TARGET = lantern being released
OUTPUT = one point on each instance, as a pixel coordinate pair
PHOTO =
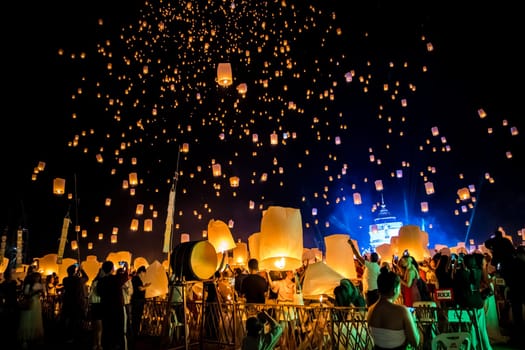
(224, 74)
(219, 236)
(281, 239)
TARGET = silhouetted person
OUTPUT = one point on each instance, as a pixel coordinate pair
(74, 301)
(109, 289)
(502, 252)
(254, 287)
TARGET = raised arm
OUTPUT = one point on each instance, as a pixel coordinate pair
(356, 252)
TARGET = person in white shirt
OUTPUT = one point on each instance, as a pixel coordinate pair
(370, 274)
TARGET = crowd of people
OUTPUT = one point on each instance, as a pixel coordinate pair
(113, 304)
(388, 288)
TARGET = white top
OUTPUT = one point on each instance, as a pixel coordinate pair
(370, 274)
(388, 338)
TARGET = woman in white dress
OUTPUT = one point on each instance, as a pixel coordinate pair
(31, 326)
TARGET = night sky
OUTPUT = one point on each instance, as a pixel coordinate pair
(100, 89)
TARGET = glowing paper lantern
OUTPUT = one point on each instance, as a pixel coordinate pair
(185, 148)
(156, 275)
(134, 225)
(416, 241)
(148, 225)
(424, 207)
(234, 181)
(429, 188)
(240, 254)
(357, 198)
(224, 74)
(140, 209)
(219, 236)
(114, 239)
(254, 245)
(339, 255)
(140, 261)
(242, 88)
(274, 139)
(59, 186)
(379, 185)
(74, 245)
(133, 179)
(184, 237)
(216, 169)
(119, 256)
(48, 264)
(281, 239)
(464, 193)
(91, 265)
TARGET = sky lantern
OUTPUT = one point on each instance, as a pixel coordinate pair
(274, 138)
(242, 88)
(254, 245)
(224, 74)
(185, 148)
(481, 113)
(220, 236)
(357, 198)
(114, 239)
(184, 237)
(148, 225)
(59, 186)
(216, 170)
(281, 239)
(464, 193)
(379, 185)
(339, 255)
(424, 207)
(134, 225)
(429, 188)
(234, 181)
(133, 179)
(156, 275)
(240, 254)
(139, 210)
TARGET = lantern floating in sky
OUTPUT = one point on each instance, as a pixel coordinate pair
(242, 88)
(357, 198)
(148, 225)
(234, 181)
(59, 186)
(140, 209)
(216, 169)
(481, 113)
(240, 254)
(133, 179)
(424, 207)
(464, 193)
(134, 225)
(379, 185)
(184, 237)
(274, 138)
(224, 74)
(429, 188)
